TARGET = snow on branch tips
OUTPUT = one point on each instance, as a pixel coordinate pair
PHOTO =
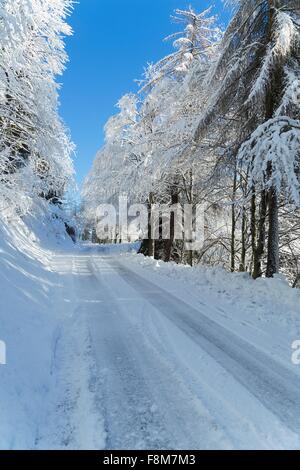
(198, 41)
(273, 154)
(278, 52)
(33, 135)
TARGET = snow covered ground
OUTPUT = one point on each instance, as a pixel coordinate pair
(107, 349)
(35, 319)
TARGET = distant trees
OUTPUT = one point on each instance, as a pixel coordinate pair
(34, 146)
(143, 144)
(217, 122)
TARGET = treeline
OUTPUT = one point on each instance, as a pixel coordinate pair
(217, 123)
(35, 148)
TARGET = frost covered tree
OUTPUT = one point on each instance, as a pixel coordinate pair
(34, 145)
(254, 90)
(219, 123)
(146, 151)
(111, 173)
(198, 40)
(173, 79)
(272, 151)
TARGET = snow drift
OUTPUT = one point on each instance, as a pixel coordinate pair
(28, 324)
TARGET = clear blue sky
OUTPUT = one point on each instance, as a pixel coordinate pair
(113, 40)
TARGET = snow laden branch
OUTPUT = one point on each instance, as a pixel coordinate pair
(199, 40)
(286, 36)
(35, 147)
(273, 153)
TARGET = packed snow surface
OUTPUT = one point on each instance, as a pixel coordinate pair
(109, 350)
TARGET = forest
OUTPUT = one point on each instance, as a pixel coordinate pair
(215, 123)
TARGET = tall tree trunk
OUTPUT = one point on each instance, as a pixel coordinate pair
(190, 258)
(190, 199)
(273, 238)
(244, 238)
(233, 220)
(148, 244)
(253, 230)
(258, 234)
(273, 234)
(170, 243)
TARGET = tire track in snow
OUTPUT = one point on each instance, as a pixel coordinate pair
(275, 386)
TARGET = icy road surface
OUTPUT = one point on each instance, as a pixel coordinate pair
(169, 373)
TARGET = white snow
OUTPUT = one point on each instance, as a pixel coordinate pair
(108, 349)
(265, 302)
(47, 370)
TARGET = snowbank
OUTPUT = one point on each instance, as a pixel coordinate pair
(29, 324)
(266, 301)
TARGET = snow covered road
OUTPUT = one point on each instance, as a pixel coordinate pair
(167, 374)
